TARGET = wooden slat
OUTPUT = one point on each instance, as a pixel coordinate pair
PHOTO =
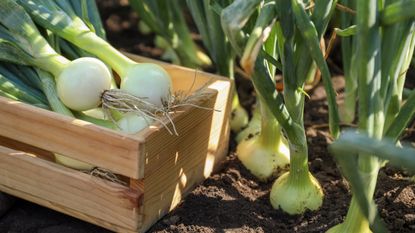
(72, 192)
(71, 137)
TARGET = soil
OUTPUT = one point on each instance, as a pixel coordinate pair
(232, 200)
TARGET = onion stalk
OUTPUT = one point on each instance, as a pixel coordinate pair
(384, 42)
(137, 79)
(166, 19)
(81, 82)
(220, 50)
(14, 88)
(348, 109)
(265, 154)
(297, 190)
(253, 128)
(298, 32)
(88, 12)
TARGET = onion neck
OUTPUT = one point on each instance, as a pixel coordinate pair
(49, 88)
(53, 64)
(94, 44)
(299, 162)
(235, 99)
(349, 105)
(229, 72)
(270, 136)
(355, 220)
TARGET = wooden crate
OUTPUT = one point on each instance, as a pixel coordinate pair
(160, 169)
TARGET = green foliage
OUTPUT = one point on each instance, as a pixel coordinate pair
(166, 19)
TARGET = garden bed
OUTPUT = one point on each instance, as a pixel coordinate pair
(232, 200)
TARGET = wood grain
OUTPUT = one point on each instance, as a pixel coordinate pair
(35, 151)
(74, 138)
(69, 191)
(174, 165)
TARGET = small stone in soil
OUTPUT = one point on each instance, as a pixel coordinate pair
(409, 217)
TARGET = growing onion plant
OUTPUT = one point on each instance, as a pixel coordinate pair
(208, 23)
(347, 23)
(383, 48)
(350, 144)
(262, 147)
(296, 30)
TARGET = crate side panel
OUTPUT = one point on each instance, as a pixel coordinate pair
(220, 127)
(69, 191)
(174, 168)
(71, 137)
(67, 211)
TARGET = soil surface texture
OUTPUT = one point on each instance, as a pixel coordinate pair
(232, 200)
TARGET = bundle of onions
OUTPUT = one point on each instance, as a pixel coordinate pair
(81, 84)
(147, 81)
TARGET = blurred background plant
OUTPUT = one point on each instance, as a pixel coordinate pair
(166, 19)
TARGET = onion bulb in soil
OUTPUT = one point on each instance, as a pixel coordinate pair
(296, 194)
(266, 154)
(264, 161)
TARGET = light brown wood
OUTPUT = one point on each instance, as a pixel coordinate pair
(68, 211)
(160, 168)
(35, 151)
(69, 191)
(74, 138)
(173, 169)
